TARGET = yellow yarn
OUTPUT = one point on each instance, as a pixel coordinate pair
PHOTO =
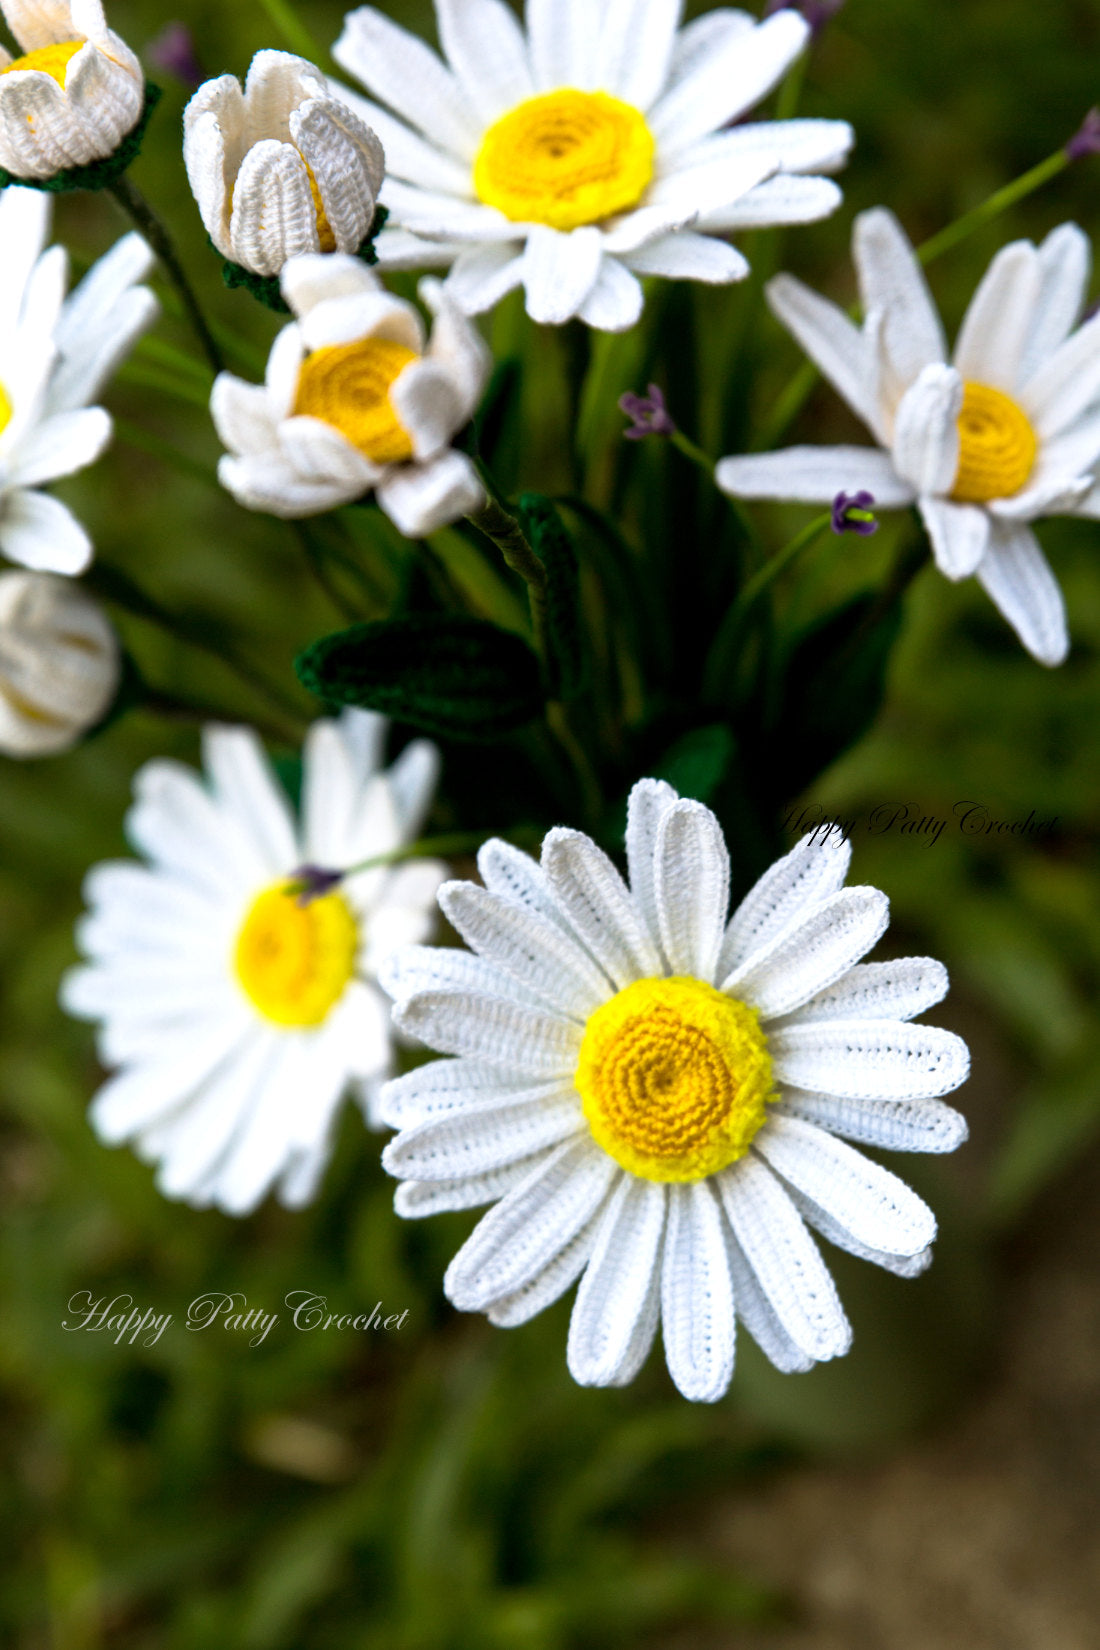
(674, 1078)
(348, 386)
(51, 60)
(997, 446)
(565, 159)
(294, 961)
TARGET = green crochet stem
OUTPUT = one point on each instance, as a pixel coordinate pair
(266, 288)
(99, 174)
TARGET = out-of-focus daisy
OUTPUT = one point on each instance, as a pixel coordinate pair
(660, 1099)
(1008, 432)
(59, 664)
(593, 147)
(74, 94)
(282, 167)
(56, 354)
(356, 400)
(237, 1011)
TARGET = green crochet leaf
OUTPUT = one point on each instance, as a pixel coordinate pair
(547, 535)
(447, 675)
(99, 174)
(696, 764)
(266, 288)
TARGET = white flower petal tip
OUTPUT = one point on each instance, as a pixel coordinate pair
(281, 168)
(59, 664)
(583, 1025)
(655, 174)
(356, 400)
(74, 95)
(230, 1070)
(1006, 433)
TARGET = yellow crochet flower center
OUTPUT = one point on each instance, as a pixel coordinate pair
(997, 446)
(5, 409)
(674, 1078)
(294, 961)
(52, 60)
(348, 386)
(324, 228)
(566, 158)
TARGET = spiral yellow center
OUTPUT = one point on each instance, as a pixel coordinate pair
(324, 228)
(51, 60)
(674, 1078)
(5, 409)
(294, 961)
(348, 386)
(997, 446)
(566, 158)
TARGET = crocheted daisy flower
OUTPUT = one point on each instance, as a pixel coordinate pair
(281, 167)
(56, 355)
(74, 94)
(356, 399)
(59, 664)
(1008, 432)
(659, 1099)
(237, 1013)
(594, 147)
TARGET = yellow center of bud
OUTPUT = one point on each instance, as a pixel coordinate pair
(348, 386)
(51, 60)
(324, 228)
(997, 446)
(5, 409)
(565, 159)
(674, 1078)
(294, 961)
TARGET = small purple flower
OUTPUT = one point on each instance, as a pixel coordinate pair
(1086, 140)
(649, 413)
(173, 52)
(816, 12)
(852, 514)
(315, 882)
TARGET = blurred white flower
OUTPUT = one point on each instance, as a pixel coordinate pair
(1006, 433)
(237, 1012)
(356, 400)
(74, 94)
(282, 167)
(652, 1095)
(59, 664)
(594, 146)
(56, 355)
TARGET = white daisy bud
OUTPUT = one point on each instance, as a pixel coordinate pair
(59, 664)
(356, 400)
(74, 94)
(280, 167)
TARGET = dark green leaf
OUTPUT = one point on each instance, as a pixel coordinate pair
(552, 544)
(445, 674)
(696, 764)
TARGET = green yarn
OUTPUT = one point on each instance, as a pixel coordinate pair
(266, 289)
(99, 174)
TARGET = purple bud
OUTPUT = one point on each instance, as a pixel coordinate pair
(816, 12)
(852, 514)
(173, 52)
(1086, 140)
(315, 882)
(649, 413)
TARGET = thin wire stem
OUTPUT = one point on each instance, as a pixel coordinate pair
(133, 202)
(731, 630)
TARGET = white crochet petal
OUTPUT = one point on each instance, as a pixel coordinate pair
(867, 1200)
(812, 954)
(559, 271)
(617, 1298)
(445, 1087)
(902, 1266)
(926, 430)
(486, 48)
(399, 70)
(789, 1271)
(832, 342)
(474, 1143)
(788, 891)
(429, 405)
(421, 498)
(347, 163)
(456, 344)
(814, 475)
(896, 1125)
(870, 1060)
(273, 216)
(756, 1313)
(697, 1303)
(550, 1284)
(507, 871)
(692, 887)
(878, 991)
(649, 801)
(418, 968)
(892, 281)
(959, 534)
(1016, 576)
(534, 951)
(531, 1225)
(1065, 259)
(615, 302)
(487, 1028)
(244, 783)
(597, 902)
(1065, 384)
(999, 318)
(417, 1199)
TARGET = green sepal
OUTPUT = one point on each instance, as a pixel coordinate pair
(98, 174)
(445, 674)
(834, 685)
(552, 544)
(266, 289)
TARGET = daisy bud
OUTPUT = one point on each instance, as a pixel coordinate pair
(1086, 139)
(648, 413)
(59, 664)
(281, 167)
(73, 96)
(852, 514)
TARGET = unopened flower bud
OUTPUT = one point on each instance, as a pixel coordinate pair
(59, 664)
(648, 414)
(852, 513)
(73, 96)
(281, 167)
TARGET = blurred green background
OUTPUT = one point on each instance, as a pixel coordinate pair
(445, 1486)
